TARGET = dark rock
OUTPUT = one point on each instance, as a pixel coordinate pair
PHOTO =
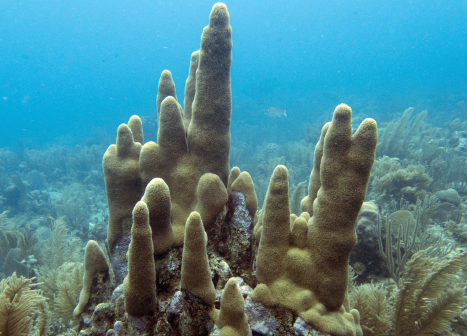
(365, 257)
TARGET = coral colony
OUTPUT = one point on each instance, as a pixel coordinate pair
(187, 253)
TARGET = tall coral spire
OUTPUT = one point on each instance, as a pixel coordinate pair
(140, 283)
(309, 275)
(232, 319)
(196, 274)
(157, 198)
(122, 181)
(193, 149)
(208, 134)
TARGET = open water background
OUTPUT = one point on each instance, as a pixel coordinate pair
(72, 69)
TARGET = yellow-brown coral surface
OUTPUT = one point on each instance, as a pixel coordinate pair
(301, 262)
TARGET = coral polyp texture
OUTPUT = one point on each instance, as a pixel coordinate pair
(305, 267)
(188, 253)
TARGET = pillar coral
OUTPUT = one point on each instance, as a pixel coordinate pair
(232, 320)
(157, 198)
(192, 150)
(196, 274)
(94, 262)
(301, 265)
(140, 283)
(190, 88)
(244, 184)
(122, 181)
(183, 155)
(305, 267)
(165, 89)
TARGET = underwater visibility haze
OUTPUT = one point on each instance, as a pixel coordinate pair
(295, 168)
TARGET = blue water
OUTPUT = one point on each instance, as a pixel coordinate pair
(70, 69)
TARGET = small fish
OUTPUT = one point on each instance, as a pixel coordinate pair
(276, 112)
(50, 221)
